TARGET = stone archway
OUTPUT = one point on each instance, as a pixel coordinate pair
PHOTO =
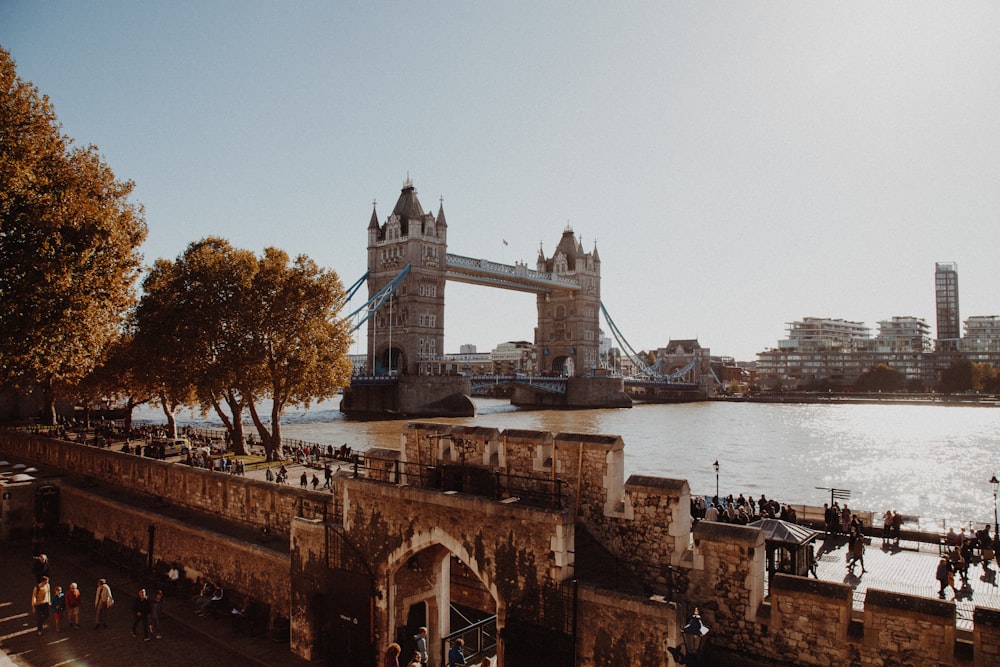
(435, 580)
(391, 361)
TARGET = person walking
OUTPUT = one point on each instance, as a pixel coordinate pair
(40, 567)
(943, 573)
(858, 554)
(155, 607)
(456, 658)
(40, 602)
(73, 606)
(103, 601)
(421, 640)
(392, 652)
(140, 614)
(58, 606)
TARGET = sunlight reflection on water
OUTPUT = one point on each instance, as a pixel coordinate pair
(929, 461)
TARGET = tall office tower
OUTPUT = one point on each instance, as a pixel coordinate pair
(949, 327)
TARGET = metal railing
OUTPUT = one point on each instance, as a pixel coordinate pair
(479, 639)
(543, 492)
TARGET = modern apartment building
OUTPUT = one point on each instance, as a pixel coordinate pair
(949, 329)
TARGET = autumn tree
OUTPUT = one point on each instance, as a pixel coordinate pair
(300, 342)
(69, 247)
(227, 330)
(192, 331)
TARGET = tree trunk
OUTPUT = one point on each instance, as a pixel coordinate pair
(168, 411)
(271, 446)
(234, 424)
(49, 410)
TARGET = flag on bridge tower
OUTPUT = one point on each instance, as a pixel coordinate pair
(505, 241)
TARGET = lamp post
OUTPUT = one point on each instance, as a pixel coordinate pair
(694, 639)
(716, 466)
(995, 483)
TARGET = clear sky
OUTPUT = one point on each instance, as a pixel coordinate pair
(739, 165)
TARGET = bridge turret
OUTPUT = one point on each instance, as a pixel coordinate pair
(408, 329)
(567, 338)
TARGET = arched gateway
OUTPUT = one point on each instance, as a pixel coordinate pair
(433, 535)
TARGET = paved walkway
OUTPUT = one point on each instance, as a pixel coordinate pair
(186, 638)
(908, 569)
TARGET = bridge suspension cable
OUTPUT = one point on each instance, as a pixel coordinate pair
(644, 368)
(619, 337)
(372, 305)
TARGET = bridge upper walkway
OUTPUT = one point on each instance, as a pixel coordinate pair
(516, 277)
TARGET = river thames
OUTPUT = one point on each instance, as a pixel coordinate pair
(930, 461)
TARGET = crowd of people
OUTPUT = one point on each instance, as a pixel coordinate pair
(63, 606)
(739, 510)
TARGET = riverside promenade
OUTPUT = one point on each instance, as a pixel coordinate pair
(909, 568)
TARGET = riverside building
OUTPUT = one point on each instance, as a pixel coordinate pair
(834, 352)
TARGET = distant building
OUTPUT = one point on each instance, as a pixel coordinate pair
(981, 343)
(514, 357)
(946, 299)
(467, 363)
(903, 334)
(678, 355)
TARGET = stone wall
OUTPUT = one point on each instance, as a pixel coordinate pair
(623, 630)
(726, 572)
(235, 564)
(514, 549)
(909, 629)
(986, 636)
(798, 607)
(253, 502)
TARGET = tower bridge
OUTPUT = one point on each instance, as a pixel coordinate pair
(409, 265)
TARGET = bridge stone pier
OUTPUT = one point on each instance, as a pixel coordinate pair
(408, 260)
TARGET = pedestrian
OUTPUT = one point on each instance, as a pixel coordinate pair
(58, 606)
(858, 554)
(73, 606)
(304, 480)
(943, 575)
(315, 481)
(392, 652)
(327, 474)
(103, 601)
(456, 658)
(268, 475)
(421, 639)
(897, 525)
(140, 614)
(155, 607)
(40, 602)
(886, 527)
(40, 568)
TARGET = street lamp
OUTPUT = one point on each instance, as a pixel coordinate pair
(995, 483)
(716, 466)
(693, 634)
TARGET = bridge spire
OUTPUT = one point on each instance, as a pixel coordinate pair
(440, 217)
(373, 223)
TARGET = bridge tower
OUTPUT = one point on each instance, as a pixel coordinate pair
(566, 338)
(409, 328)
